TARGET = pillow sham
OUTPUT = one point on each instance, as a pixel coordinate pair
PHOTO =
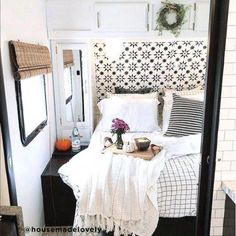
(195, 94)
(139, 114)
(196, 91)
(133, 95)
(124, 90)
(186, 117)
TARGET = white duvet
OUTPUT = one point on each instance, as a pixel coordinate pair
(118, 192)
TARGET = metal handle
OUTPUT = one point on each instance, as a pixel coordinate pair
(85, 86)
(195, 15)
(98, 20)
(208, 158)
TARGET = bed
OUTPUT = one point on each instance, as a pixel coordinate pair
(177, 183)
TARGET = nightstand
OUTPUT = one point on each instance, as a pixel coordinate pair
(58, 198)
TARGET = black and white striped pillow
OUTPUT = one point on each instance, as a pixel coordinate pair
(186, 117)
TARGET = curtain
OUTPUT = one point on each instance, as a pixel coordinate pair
(68, 58)
(29, 60)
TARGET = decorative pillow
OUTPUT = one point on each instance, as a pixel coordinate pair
(124, 90)
(196, 91)
(194, 94)
(133, 95)
(139, 114)
(186, 117)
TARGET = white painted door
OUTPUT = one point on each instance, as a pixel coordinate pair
(72, 93)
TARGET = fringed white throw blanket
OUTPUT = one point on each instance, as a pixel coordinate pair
(118, 192)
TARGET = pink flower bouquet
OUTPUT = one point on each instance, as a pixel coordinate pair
(119, 126)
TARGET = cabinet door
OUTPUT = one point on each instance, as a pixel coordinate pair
(72, 16)
(121, 17)
(201, 14)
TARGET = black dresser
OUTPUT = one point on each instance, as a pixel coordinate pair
(58, 198)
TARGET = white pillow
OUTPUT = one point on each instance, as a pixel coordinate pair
(133, 95)
(194, 94)
(139, 114)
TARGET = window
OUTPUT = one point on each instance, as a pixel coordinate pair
(32, 107)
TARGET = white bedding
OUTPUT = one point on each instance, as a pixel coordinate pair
(140, 200)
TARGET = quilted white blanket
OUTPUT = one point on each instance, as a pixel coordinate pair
(118, 192)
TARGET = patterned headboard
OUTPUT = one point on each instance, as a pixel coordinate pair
(176, 65)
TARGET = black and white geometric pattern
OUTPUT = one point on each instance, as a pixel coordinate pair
(176, 65)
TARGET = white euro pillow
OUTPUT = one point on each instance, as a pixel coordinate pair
(133, 95)
(139, 114)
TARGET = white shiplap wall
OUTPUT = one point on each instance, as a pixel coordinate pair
(226, 153)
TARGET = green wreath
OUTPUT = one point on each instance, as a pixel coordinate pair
(162, 24)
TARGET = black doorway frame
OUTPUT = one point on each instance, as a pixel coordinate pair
(215, 66)
(216, 49)
(6, 141)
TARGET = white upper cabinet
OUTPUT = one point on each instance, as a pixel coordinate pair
(121, 16)
(69, 15)
(201, 16)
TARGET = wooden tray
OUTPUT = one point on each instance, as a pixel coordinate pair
(145, 155)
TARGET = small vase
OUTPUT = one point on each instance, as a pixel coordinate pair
(119, 141)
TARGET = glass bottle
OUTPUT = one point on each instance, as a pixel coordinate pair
(75, 139)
